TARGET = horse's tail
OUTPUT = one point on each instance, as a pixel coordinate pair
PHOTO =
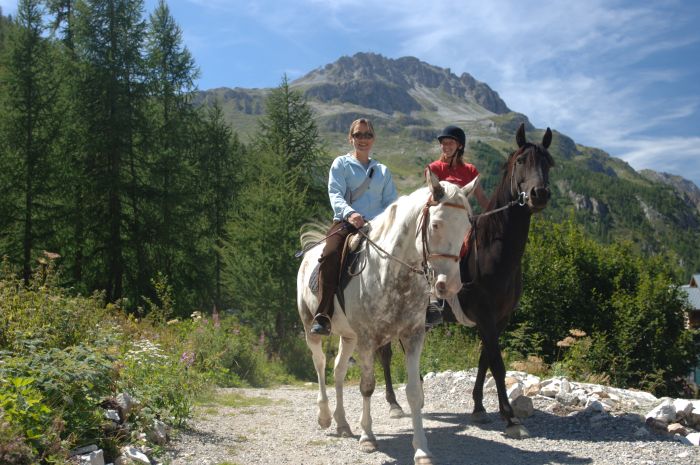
(312, 232)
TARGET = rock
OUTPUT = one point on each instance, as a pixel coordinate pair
(531, 390)
(84, 450)
(158, 434)
(550, 387)
(510, 381)
(93, 458)
(514, 392)
(126, 402)
(135, 455)
(565, 386)
(683, 408)
(112, 415)
(429, 375)
(664, 412)
(522, 407)
(594, 406)
(490, 384)
(641, 432)
(694, 439)
(567, 398)
(677, 428)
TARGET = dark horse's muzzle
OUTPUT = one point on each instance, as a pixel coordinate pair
(539, 196)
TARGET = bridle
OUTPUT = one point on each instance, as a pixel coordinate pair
(422, 229)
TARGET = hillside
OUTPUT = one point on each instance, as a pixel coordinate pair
(410, 101)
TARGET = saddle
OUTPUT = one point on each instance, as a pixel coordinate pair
(351, 264)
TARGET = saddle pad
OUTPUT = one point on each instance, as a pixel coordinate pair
(313, 279)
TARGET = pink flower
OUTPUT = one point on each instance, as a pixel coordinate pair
(187, 359)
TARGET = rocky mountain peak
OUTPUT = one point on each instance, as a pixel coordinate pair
(365, 78)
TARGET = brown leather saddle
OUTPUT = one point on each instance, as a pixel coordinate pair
(351, 264)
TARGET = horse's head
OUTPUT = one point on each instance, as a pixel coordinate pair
(528, 169)
(445, 223)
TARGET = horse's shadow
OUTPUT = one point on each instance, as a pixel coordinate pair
(589, 427)
(445, 440)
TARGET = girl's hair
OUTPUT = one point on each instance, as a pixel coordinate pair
(356, 123)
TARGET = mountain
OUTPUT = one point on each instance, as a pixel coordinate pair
(410, 101)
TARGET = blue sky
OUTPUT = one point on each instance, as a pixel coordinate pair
(623, 76)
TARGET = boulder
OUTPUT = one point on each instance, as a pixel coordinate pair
(664, 412)
(522, 407)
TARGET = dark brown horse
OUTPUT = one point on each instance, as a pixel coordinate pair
(491, 270)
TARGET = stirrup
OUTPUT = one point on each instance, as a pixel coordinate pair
(321, 326)
(433, 315)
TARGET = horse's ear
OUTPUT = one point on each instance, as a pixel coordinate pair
(520, 135)
(434, 183)
(471, 187)
(547, 138)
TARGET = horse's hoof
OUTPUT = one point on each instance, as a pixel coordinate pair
(368, 447)
(344, 431)
(480, 417)
(368, 444)
(423, 461)
(324, 423)
(396, 412)
(517, 432)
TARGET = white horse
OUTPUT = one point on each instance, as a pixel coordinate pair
(413, 251)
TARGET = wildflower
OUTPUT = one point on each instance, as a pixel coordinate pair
(568, 341)
(187, 359)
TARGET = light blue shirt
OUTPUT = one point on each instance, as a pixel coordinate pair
(346, 175)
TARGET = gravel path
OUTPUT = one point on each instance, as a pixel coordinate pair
(284, 431)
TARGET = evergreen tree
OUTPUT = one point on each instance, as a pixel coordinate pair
(28, 94)
(281, 190)
(221, 154)
(289, 130)
(173, 208)
(109, 37)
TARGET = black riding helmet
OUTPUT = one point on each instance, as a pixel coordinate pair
(453, 132)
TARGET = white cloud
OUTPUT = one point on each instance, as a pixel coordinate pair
(670, 155)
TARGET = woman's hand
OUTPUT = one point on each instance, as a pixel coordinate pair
(356, 220)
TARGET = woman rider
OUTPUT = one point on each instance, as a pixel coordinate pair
(359, 188)
(451, 167)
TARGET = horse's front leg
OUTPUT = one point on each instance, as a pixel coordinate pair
(385, 353)
(319, 358)
(479, 412)
(414, 393)
(368, 443)
(347, 346)
(493, 351)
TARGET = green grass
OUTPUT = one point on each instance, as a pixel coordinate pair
(233, 400)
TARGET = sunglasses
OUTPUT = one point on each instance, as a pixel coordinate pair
(363, 135)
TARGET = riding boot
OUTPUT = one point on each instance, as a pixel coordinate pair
(322, 319)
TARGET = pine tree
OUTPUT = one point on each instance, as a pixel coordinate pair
(173, 206)
(281, 190)
(109, 36)
(288, 130)
(219, 161)
(28, 94)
